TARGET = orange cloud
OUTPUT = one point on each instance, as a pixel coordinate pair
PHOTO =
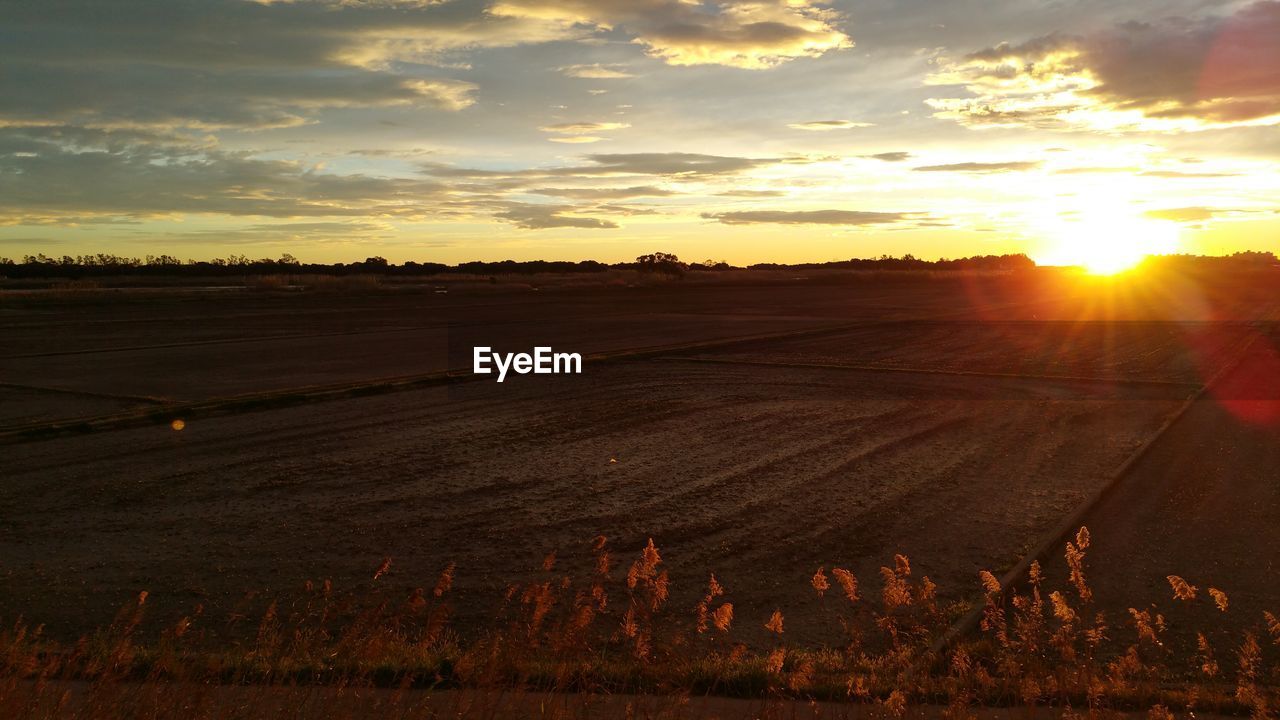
(810, 217)
(1172, 75)
(741, 33)
(826, 125)
(981, 167)
(1185, 214)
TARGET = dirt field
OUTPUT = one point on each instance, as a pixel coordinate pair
(1204, 504)
(955, 422)
(1124, 351)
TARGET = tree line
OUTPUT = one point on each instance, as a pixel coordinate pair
(107, 265)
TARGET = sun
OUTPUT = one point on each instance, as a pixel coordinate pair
(1106, 239)
(1106, 252)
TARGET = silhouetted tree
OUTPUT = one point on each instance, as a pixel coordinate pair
(661, 262)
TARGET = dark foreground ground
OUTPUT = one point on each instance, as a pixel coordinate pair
(321, 703)
(955, 421)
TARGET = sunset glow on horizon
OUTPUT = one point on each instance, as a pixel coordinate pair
(1081, 133)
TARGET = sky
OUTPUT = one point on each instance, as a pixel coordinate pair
(739, 130)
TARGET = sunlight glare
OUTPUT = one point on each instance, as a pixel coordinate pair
(1106, 239)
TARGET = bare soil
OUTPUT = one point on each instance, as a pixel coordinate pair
(760, 471)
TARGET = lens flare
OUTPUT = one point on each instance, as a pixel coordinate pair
(1106, 239)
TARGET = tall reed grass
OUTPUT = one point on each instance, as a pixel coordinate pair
(609, 643)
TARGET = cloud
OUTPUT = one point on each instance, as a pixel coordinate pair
(287, 233)
(1129, 169)
(1173, 74)
(897, 156)
(233, 64)
(593, 193)
(574, 128)
(810, 217)
(826, 125)
(750, 34)
(752, 193)
(394, 153)
(541, 217)
(596, 72)
(174, 98)
(68, 175)
(1199, 214)
(318, 228)
(627, 210)
(71, 175)
(676, 165)
(1178, 174)
(448, 94)
(981, 167)
(580, 132)
(1095, 170)
(1183, 215)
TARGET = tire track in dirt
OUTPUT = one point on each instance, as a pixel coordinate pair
(443, 325)
(1114, 351)
(926, 481)
(1118, 381)
(491, 422)
(294, 396)
(725, 484)
(737, 511)
(268, 500)
(257, 401)
(144, 399)
(1105, 498)
(647, 471)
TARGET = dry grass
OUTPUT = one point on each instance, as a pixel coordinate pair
(614, 634)
(315, 283)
